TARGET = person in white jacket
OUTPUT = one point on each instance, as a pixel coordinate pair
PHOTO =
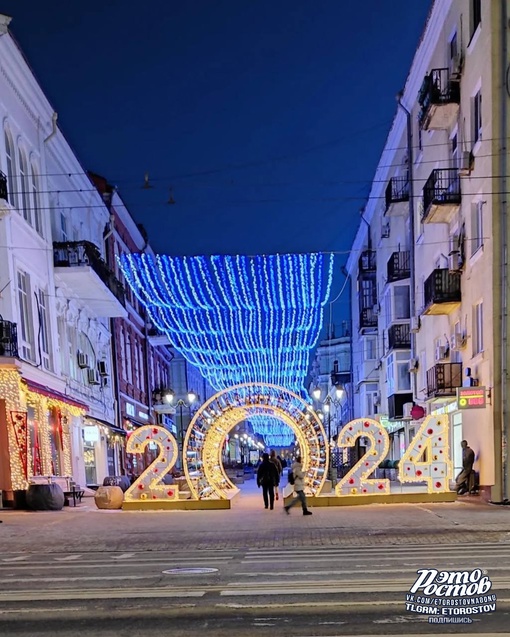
(299, 487)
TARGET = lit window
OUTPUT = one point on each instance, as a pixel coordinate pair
(476, 226)
(478, 328)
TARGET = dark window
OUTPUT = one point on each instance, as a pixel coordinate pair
(476, 15)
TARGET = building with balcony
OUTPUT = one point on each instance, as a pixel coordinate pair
(441, 186)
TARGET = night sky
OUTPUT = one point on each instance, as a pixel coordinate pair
(265, 117)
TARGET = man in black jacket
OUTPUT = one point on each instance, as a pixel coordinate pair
(268, 478)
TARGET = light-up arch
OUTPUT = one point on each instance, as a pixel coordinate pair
(211, 424)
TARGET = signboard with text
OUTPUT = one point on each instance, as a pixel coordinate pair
(471, 397)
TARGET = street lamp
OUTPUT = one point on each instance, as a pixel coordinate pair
(316, 393)
(191, 397)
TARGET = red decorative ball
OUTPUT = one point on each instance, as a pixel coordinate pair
(366, 464)
(351, 481)
(419, 446)
(147, 437)
(156, 469)
(168, 448)
(408, 468)
(438, 485)
(155, 430)
(418, 473)
(364, 490)
(435, 468)
(379, 442)
(350, 428)
(440, 451)
(154, 497)
(170, 493)
(141, 487)
(367, 424)
(380, 487)
(430, 431)
(439, 439)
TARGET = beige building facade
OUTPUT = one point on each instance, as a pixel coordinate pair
(428, 265)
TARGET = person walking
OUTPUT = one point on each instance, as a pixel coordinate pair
(268, 478)
(274, 459)
(299, 487)
(463, 479)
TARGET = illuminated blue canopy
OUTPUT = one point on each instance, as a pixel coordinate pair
(238, 319)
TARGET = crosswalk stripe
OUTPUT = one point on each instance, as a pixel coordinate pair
(68, 558)
(20, 558)
(124, 556)
(102, 593)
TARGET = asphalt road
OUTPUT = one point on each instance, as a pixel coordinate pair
(319, 591)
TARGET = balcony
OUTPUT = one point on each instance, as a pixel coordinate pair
(367, 317)
(441, 196)
(439, 98)
(367, 262)
(157, 338)
(341, 377)
(399, 266)
(8, 339)
(443, 380)
(397, 196)
(396, 404)
(399, 336)
(442, 292)
(80, 269)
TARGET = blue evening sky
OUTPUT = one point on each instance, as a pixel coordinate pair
(265, 117)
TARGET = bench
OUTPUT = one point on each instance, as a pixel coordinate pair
(76, 493)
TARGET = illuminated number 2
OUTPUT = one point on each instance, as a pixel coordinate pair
(357, 482)
(427, 459)
(149, 485)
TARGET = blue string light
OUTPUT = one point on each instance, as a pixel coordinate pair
(237, 319)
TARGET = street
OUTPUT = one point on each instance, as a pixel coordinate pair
(89, 572)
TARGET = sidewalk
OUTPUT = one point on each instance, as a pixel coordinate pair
(85, 528)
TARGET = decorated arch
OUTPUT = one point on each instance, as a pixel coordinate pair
(212, 423)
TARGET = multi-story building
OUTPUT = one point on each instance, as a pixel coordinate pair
(428, 265)
(57, 293)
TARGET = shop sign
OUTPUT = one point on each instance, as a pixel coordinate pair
(471, 397)
(143, 415)
(130, 409)
(91, 433)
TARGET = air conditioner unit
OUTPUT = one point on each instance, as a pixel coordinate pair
(83, 360)
(458, 341)
(465, 161)
(413, 365)
(441, 352)
(377, 398)
(385, 230)
(102, 368)
(456, 64)
(415, 324)
(93, 377)
(454, 262)
(407, 411)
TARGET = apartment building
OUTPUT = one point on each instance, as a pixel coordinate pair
(429, 276)
(57, 294)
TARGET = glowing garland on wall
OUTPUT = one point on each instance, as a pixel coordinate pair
(211, 424)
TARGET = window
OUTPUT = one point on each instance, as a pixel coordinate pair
(397, 302)
(11, 170)
(476, 15)
(44, 337)
(454, 151)
(62, 345)
(371, 390)
(25, 311)
(477, 117)
(370, 348)
(453, 45)
(129, 359)
(397, 372)
(25, 187)
(122, 340)
(36, 205)
(478, 328)
(476, 226)
(72, 345)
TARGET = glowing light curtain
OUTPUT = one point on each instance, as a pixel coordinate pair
(237, 318)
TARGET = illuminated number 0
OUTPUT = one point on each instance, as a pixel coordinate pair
(149, 485)
(357, 482)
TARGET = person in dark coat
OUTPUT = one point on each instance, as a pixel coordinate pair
(468, 459)
(268, 478)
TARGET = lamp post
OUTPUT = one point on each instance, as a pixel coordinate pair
(326, 405)
(187, 401)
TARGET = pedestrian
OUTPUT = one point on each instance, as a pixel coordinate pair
(274, 459)
(463, 479)
(268, 478)
(299, 487)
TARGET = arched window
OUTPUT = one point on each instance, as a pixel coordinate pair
(25, 187)
(11, 169)
(36, 204)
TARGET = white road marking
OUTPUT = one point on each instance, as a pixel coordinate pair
(120, 564)
(91, 578)
(124, 556)
(284, 558)
(41, 610)
(102, 593)
(68, 558)
(20, 558)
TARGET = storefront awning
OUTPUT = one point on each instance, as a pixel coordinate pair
(104, 423)
(53, 393)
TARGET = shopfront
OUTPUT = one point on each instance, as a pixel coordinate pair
(103, 450)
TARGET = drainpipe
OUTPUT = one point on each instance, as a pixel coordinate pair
(501, 441)
(54, 118)
(410, 164)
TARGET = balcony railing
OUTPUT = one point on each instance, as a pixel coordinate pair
(367, 317)
(84, 253)
(399, 336)
(8, 339)
(442, 292)
(441, 195)
(3, 186)
(367, 261)
(397, 191)
(399, 266)
(340, 377)
(439, 98)
(443, 379)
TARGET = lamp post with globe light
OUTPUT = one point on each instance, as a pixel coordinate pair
(326, 414)
(191, 397)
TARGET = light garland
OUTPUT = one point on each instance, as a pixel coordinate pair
(211, 424)
(11, 392)
(237, 319)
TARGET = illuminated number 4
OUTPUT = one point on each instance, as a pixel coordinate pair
(149, 486)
